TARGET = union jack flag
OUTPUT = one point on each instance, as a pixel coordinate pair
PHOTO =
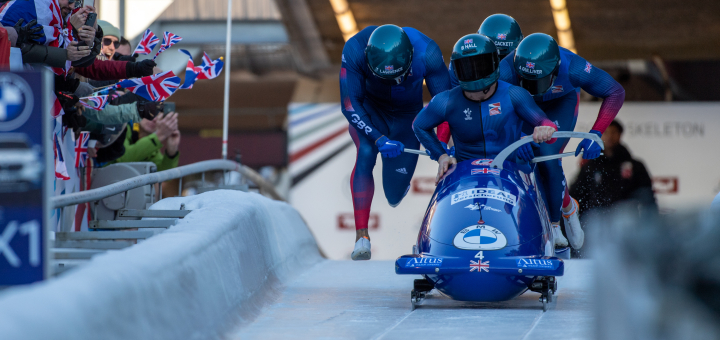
(60, 167)
(169, 39)
(588, 67)
(147, 43)
(95, 103)
(212, 68)
(191, 72)
(388, 67)
(57, 110)
(530, 65)
(484, 171)
(467, 41)
(479, 266)
(494, 109)
(157, 87)
(502, 36)
(81, 149)
(557, 89)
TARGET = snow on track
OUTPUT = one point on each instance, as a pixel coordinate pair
(367, 300)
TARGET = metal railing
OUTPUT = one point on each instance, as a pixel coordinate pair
(162, 176)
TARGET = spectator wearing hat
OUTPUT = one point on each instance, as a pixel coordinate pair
(110, 40)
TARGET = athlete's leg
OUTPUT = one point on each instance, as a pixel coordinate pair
(398, 171)
(563, 111)
(362, 184)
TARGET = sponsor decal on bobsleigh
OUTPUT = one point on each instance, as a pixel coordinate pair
(424, 262)
(482, 161)
(483, 193)
(480, 237)
(534, 263)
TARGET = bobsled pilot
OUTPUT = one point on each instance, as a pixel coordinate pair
(554, 76)
(506, 34)
(484, 115)
(381, 84)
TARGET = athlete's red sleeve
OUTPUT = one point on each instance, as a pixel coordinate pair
(443, 132)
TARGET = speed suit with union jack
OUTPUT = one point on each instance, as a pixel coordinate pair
(375, 109)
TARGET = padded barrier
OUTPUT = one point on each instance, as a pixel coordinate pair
(214, 269)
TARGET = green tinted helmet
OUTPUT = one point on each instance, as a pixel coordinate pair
(475, 62)
(537, 61)
(504, 32)
(389, 53)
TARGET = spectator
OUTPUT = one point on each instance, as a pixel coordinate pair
(124, 48)
(145, 141)
(613, 177)
(110, 41)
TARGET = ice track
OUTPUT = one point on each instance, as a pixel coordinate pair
(366, 300)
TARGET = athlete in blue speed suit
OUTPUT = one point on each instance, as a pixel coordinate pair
(381, 84)
(484, 115)
(557, 92)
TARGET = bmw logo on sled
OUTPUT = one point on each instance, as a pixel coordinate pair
(486, 235)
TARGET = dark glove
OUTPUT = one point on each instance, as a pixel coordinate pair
(592, 149)
(120, 57)
(69, 84)
(140, 69)
(525, 152)
(389, 148)
(28, 34)
(67, 100)
(149, 110)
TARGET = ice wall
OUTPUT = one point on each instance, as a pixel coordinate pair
(214, 268)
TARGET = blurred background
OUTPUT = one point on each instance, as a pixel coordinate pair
(285, 115)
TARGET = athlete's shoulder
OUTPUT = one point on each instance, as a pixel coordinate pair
(440, 100)
(417, 38)
(363, 36)
(517, 93)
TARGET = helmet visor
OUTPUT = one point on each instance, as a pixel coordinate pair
(537, 86)
(475, 67)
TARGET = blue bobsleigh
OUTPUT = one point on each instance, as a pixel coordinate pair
(486, 233)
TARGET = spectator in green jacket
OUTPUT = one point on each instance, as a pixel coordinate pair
(145, 143)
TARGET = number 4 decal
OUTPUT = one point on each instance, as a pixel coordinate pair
(479, 255)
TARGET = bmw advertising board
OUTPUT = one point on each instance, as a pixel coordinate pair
(26, 163)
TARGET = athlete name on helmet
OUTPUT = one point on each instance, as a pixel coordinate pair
(529, 68)
(468, 44)
(360, 124)
(483, 193)
(389, 69)
(504, 43)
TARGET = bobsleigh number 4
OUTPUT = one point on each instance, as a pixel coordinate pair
(486, 235)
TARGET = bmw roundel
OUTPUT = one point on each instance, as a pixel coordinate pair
(480, 237)
(16, 101)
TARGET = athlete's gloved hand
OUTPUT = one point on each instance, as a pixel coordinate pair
(592, 149)
(450, 151)
(389, 148)
(525, 152)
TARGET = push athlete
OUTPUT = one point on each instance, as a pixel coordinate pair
(381, 84)
(554, 76)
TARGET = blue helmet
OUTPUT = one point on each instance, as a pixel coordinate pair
(389, 53)
(537, 61)
(475, 62)
(504, 31)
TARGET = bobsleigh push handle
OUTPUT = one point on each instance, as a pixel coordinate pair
(497, 163)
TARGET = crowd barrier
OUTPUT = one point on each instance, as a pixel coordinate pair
(211, 270)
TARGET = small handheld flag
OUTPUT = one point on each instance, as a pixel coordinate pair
(156, 88)
(81, 149)
(95, 103)
(147, 43)
(169, 39)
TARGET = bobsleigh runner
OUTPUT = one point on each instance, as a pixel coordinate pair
(486, 235)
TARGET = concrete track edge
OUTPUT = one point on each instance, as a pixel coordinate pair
(214, 269)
